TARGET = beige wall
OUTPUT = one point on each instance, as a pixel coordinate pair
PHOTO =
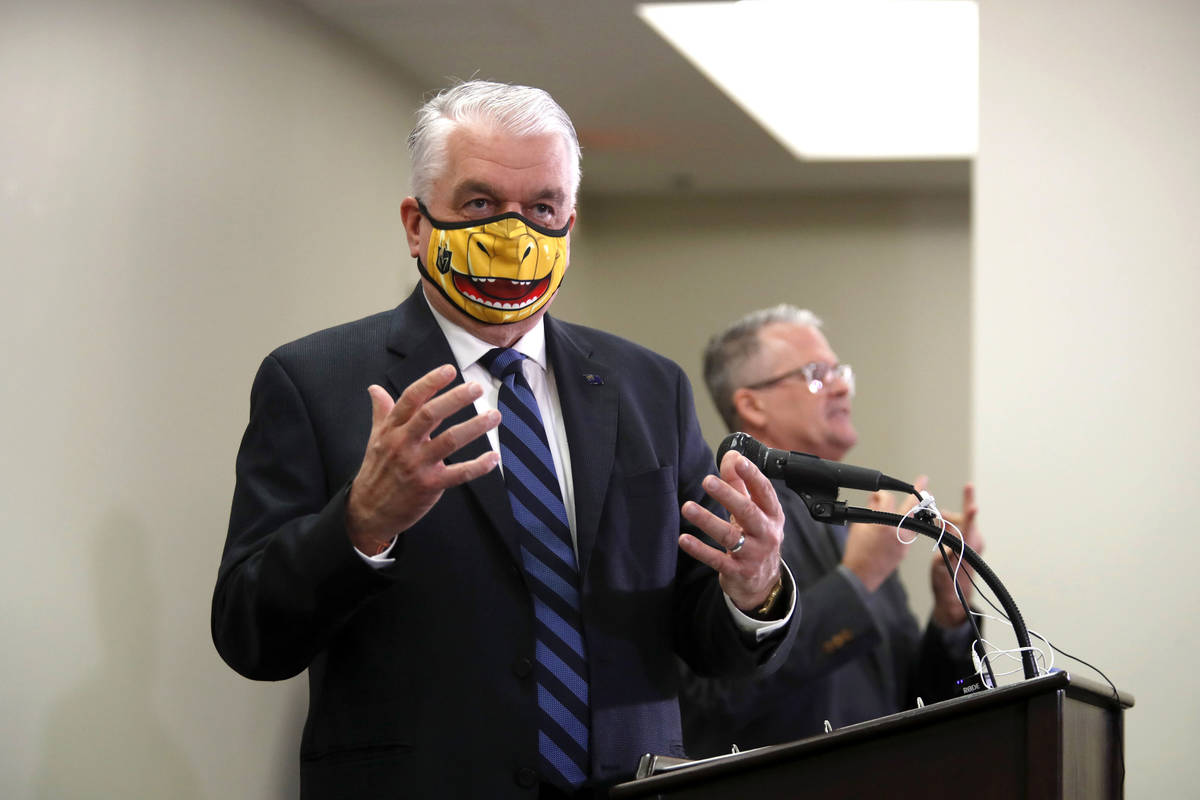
(1087, 275)
(888, 274)
(168, 170)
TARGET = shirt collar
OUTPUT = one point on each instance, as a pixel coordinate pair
(467, 348)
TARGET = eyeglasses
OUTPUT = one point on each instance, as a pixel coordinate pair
(816, 374)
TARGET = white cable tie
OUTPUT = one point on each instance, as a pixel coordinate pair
(900, 526)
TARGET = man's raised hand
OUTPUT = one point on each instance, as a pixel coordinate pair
(403, 472)
(749, 572)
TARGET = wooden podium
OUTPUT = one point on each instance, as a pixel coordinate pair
(1048, 738)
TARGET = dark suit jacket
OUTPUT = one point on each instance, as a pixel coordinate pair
(851, 660)
(420, 674)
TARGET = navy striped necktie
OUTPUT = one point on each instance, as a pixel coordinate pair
(548, 555)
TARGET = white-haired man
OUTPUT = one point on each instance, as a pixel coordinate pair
(859, 652)
(471, 631)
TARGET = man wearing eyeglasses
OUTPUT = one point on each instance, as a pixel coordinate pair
(859, 652)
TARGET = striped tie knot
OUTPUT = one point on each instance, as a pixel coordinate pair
(502, 362)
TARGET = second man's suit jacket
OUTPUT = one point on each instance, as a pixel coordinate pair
(420, 674)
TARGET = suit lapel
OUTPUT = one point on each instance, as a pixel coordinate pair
(824, 552)
(417, 346)
(587, 392)
(880, 655)
(813, 539)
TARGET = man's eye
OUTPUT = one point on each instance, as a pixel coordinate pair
(543, 210)
(478, 204)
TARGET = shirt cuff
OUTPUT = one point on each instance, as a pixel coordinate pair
(759, 628)
(382, 559)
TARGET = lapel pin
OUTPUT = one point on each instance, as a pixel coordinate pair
(593, 379)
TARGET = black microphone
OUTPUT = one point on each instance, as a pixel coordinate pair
(805, 471)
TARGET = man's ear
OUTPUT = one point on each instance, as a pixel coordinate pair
(410, 216)
(749, 408)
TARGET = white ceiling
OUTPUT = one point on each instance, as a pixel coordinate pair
(647, 120)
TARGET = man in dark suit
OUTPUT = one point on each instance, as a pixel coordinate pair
(859, 653)
(471, 631)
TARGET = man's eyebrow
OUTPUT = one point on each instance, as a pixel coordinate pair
(470, 188)
(555, 195)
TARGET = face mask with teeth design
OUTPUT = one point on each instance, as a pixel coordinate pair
(497, 270)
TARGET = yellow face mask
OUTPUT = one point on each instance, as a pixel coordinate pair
(497, 270)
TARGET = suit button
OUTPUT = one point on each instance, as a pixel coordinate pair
(522, 667)
(526, 778)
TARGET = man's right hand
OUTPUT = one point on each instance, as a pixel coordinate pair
(874, 551)
(403, 472)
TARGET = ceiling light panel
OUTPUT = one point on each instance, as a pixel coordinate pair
(843, 80)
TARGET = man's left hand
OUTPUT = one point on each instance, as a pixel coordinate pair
(748, 574)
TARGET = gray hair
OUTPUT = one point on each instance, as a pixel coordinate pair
(729, 352)
(518, 110)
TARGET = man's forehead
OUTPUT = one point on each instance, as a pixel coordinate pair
(470, 149)
(801, 342)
